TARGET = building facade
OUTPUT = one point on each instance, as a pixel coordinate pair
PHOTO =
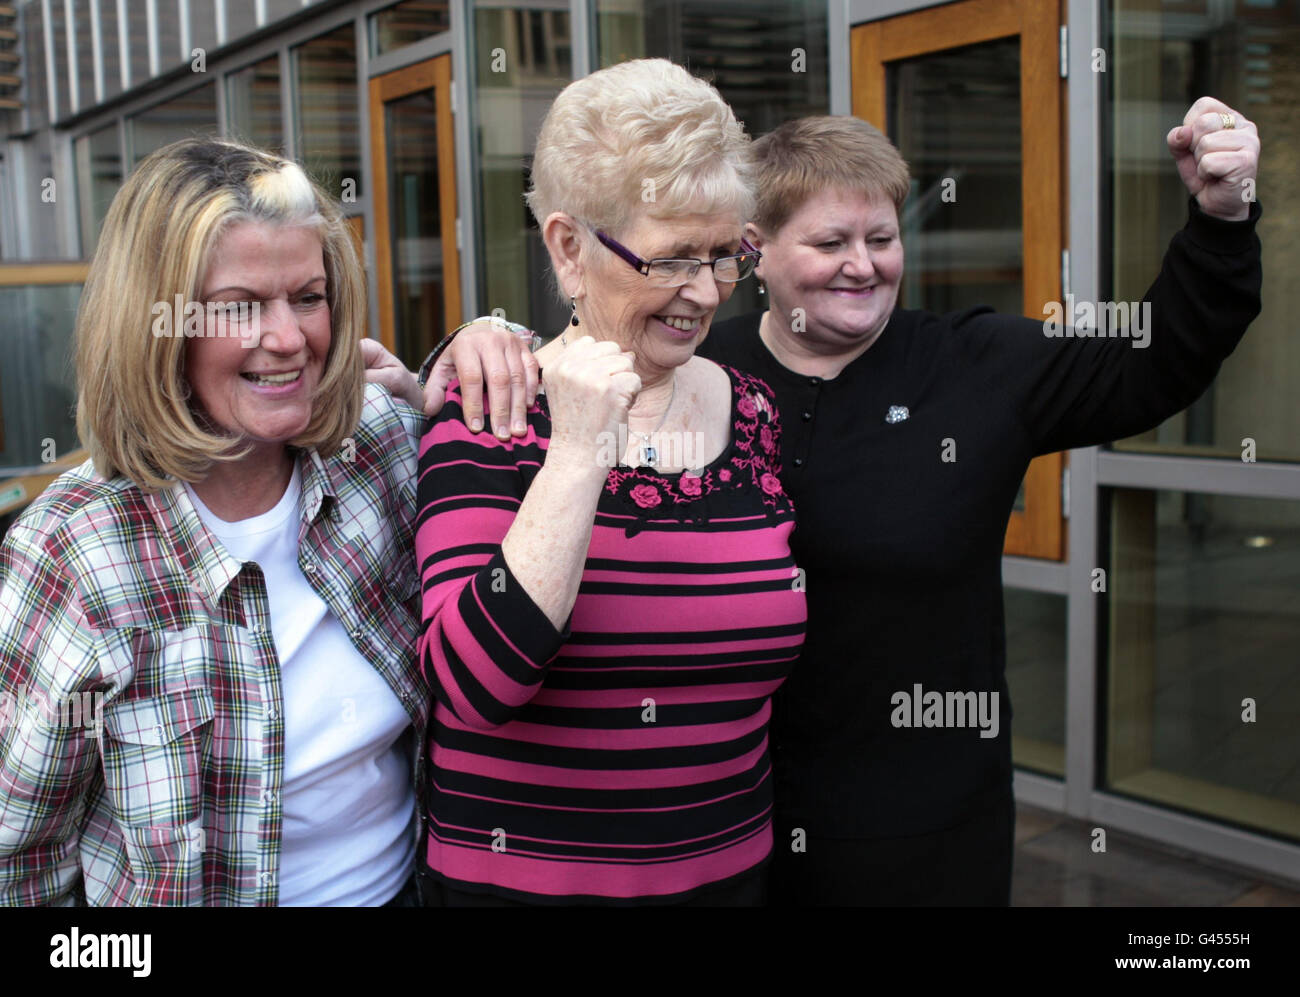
(1152, 587)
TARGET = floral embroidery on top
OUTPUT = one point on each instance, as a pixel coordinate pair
(750, 459)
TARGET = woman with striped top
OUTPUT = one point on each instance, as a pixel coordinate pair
(609, 601)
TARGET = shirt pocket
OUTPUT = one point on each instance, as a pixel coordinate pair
(166, 864)
(154, 752)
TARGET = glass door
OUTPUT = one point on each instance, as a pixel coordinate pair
(970, 93)
(416, 252)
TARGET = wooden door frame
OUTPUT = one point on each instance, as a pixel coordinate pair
(432, 74)
(1038, 531)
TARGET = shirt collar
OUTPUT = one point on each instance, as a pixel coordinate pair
(209, 567)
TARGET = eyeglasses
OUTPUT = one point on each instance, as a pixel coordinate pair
(675, 273)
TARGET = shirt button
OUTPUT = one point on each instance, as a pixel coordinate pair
(272, 714)
(798, 462)
(268, 796)
(805, 415)
(355, 634)
(266, 879)
(309, 567)
(814, 381)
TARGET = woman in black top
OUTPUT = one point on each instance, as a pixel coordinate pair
(907, 435)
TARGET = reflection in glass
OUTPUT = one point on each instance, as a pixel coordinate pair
(1036, 646)
(36, 384)
(514, 268)
(253, 105)
(192, 114)
(329, 117)
(767, 58)
(408, 22)
(1162, 60)
(955, 117)
(99, 175)
(411, 124)
(1203, 696)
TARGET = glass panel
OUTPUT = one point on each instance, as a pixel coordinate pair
(1036, 647)
(59, 27)
(329, 118)
(169, 37)
(99, 175)
(1161, 62)
(767, 58)
(277, 10)
(110, 50)
(1203, 697)
(85, 54)
(411, 126)
(193, 113)
(408, 22)
(36, 93)
(203, 25)
(253, 104)
(137, 33)
(241, 18)
(509, 106)
(955, 117)
(37, 393)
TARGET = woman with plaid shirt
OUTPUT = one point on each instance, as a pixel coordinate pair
(208, 692)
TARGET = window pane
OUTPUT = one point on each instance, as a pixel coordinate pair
(137, 33)
(110, 49)
(1036, 646)
(254, 105)
(36, 92)
(193, 113)
(203, 25)
(514, 89)
(99, 175)
(241, 18)
(59, 26)
(1161, 61)
(767, 58)
(169, 37)
(955, 116)
(36, 384)
(329, 122)
(1203, 696)
(85, 54)
(408, 22)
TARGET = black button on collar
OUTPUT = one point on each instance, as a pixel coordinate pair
(798, 462)
(805, 415)
(814, 381)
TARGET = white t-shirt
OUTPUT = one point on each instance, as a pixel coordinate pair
(348, 804)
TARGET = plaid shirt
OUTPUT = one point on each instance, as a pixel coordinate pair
(112, 596)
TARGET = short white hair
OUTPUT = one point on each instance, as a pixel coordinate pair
(643, 135)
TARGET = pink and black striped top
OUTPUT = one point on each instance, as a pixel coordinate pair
(626, 759)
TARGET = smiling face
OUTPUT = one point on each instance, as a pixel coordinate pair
(839, 258)
(661, 325)
(263, 394)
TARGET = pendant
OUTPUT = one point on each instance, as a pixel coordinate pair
(649, 455)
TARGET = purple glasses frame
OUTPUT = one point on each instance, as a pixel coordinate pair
(643, 266)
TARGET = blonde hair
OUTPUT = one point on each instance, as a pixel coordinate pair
(825, 152)
(133, 412)
(641, 133)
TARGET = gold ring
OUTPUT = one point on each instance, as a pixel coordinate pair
(1228, 120)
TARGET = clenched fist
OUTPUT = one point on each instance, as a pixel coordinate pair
(1217, 163)
(589, 389)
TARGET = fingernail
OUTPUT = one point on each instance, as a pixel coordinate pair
(503, 433)
(519, 426)
(476, 424)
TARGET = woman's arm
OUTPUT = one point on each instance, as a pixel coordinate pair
(501, 564)
(48, 665)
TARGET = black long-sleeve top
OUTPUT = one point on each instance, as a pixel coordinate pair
(902, 549)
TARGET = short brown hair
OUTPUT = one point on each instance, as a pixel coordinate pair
(825, 152)
(133, 408)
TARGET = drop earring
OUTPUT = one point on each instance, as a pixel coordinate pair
(573, 303)
(762, 288)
